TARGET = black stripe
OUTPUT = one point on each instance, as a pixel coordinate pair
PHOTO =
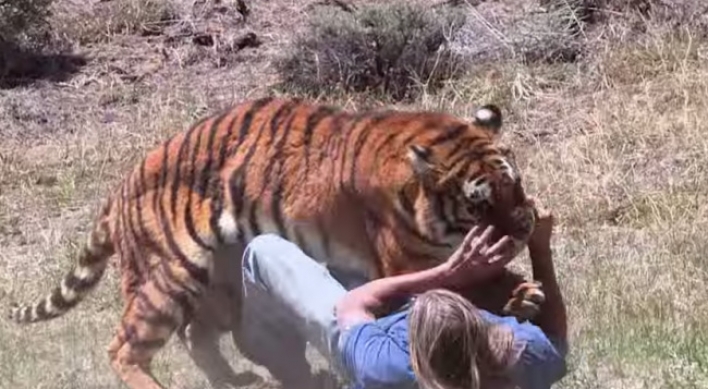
(321, 113)
(267, 177)
(441, 214)
(349, 132)
(206, 170)
(324, 233)
(359, 145)
(192, 183)
(277, 147)
(154, 314)
(215, 187)
(216, 208)
(226, 140)
(170, 276)
(413, 230)
(148, 344)
(163, 176)
(276, 212)
(181, 160)
(192, 229)
(456, 150)
(237, 188)
(274, 125)
(329, 148)
(41, 310)
(132, 338)
(382, 145)
(301, 243)
(59, 302)
(422, 129)
(237, 180)
(80, 285)
(146, 236)
(458, 230)
(160, 320)
(477, 152)
(405, 203)
(456, 211)
(468, 158)
(248, 118)
(127, 243)
(448, 210)
(143, 236)
(199, 274)
(449, 134)
(136, 237)
(181, 298)
(193, 167)
(253, 221)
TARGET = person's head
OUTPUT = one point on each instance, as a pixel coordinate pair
(451, 345)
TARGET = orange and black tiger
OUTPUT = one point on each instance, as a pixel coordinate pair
(380, 193)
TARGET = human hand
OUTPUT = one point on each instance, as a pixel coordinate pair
(540, 240)
(477, 258)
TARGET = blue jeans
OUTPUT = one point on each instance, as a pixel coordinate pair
(290, 298)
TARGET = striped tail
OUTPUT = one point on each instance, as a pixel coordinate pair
(78, 282)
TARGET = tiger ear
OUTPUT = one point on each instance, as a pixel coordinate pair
(421, 161)
(489, 117)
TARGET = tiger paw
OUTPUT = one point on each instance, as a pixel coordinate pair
(525, 302)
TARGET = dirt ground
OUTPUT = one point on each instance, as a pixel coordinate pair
(613, 141)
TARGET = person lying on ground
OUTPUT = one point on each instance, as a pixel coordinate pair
(416, 330)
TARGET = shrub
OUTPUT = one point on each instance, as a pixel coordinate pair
(23, 21)
(396, 49)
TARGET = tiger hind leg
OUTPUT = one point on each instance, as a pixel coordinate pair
(150, 317)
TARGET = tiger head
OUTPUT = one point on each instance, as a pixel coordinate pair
(470, 180)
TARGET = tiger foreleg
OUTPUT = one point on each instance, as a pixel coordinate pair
(508, 294)
(202, 342)
(526, 300)
(216, 315)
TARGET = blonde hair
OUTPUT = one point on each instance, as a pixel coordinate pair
(453, 347)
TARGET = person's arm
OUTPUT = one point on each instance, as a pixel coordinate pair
(475, 260)
(542, 362)
(552, 318)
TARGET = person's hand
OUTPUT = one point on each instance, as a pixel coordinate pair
(477, 258)
(540, 240)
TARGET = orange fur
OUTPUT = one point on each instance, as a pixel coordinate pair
(380, 193)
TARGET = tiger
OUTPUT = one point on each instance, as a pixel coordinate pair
(379, 192)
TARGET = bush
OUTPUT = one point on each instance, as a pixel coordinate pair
(395, 49)
(23, 21)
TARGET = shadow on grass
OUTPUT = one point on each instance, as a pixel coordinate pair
(21, 67)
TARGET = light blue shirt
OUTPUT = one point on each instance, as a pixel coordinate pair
(376, 354)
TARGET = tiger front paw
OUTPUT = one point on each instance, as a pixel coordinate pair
(525, 302)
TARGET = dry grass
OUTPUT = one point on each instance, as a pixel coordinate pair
(614, 143)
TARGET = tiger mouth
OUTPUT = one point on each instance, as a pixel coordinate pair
(518, 226)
